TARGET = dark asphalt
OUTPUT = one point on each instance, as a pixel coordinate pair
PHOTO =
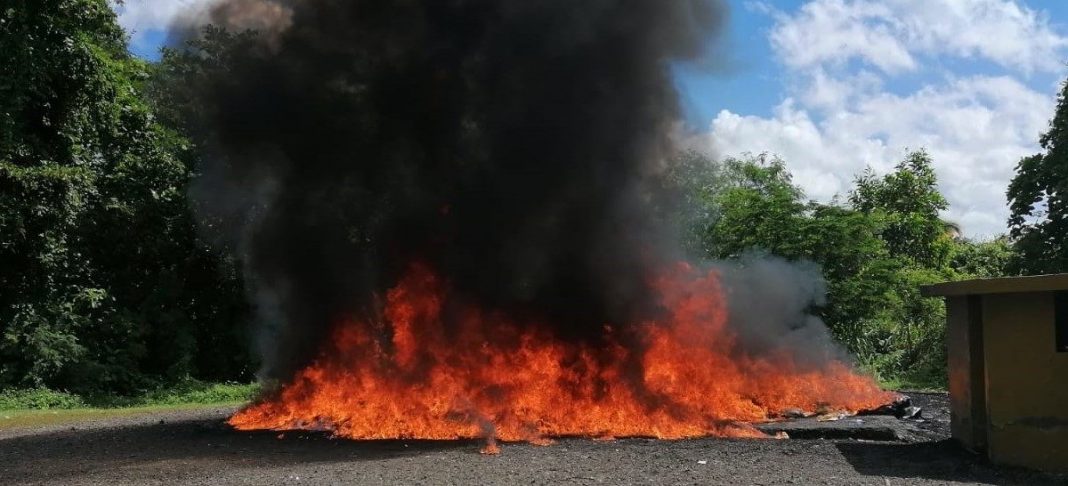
(198, 448)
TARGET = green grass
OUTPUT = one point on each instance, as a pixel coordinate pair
(42, 406)
(12, 419)
(190, 392)
(905, 384)
(924, 379)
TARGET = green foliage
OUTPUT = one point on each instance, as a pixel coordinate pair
(875, 252)
(39, 399)
(184, 392)
(758, 205)
(908, 203)
(984, 259)
(104, 287)
(1038, 200)
(695, 180)
(192, 391)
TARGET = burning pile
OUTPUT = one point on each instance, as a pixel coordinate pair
(403, 376)
(452, 218)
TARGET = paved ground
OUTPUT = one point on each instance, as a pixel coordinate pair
(197, 448)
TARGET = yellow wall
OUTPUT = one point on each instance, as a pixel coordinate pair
(1026, 382)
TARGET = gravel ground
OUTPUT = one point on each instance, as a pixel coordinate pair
(197, 448)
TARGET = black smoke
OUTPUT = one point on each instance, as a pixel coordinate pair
(513, 145)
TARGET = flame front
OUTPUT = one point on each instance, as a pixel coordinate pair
(411, 376)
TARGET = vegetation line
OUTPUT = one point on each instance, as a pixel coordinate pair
(183, 394)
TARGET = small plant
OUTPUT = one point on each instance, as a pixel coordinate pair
(39, 399)
(193, 391)
(187, 392)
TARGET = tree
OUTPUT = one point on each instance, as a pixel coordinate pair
(104, 285)
(1038, 221)
(760, 208)
(873, 253)
(908, 202)
(691, 184)
(55, 132)
(983, 259)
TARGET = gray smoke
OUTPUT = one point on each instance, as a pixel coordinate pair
(770, 304)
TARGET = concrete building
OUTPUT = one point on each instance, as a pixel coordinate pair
(1008, 368)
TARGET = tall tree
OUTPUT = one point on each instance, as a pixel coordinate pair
(56, 137)
(1038, 200)
(908, 202)
(103, 284)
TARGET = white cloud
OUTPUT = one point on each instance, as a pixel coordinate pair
(889, 34)
(838, 31)
(140, 17)
(975, 129)
(843, 118)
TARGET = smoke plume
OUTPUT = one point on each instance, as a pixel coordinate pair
(513, 145)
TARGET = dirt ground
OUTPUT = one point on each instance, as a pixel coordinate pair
(196, 447)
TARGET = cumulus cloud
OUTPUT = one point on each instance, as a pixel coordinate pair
(888, 34)
(843, 116)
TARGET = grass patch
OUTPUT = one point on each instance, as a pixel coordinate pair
(14, 419)
(903, 384)
(42, 406)
(189, 392)
(923, 379)
(922, 382)
(39, 399)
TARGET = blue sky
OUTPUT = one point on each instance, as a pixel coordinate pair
(837, 86)
(754, 80)
(751, 79)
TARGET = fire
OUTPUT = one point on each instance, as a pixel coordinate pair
(427, 370)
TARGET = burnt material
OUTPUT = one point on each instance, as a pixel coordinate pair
(872, 427)
(897, 408)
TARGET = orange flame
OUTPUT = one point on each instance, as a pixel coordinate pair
(410, 376)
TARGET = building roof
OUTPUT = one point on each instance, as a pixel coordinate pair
(1039, 283)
